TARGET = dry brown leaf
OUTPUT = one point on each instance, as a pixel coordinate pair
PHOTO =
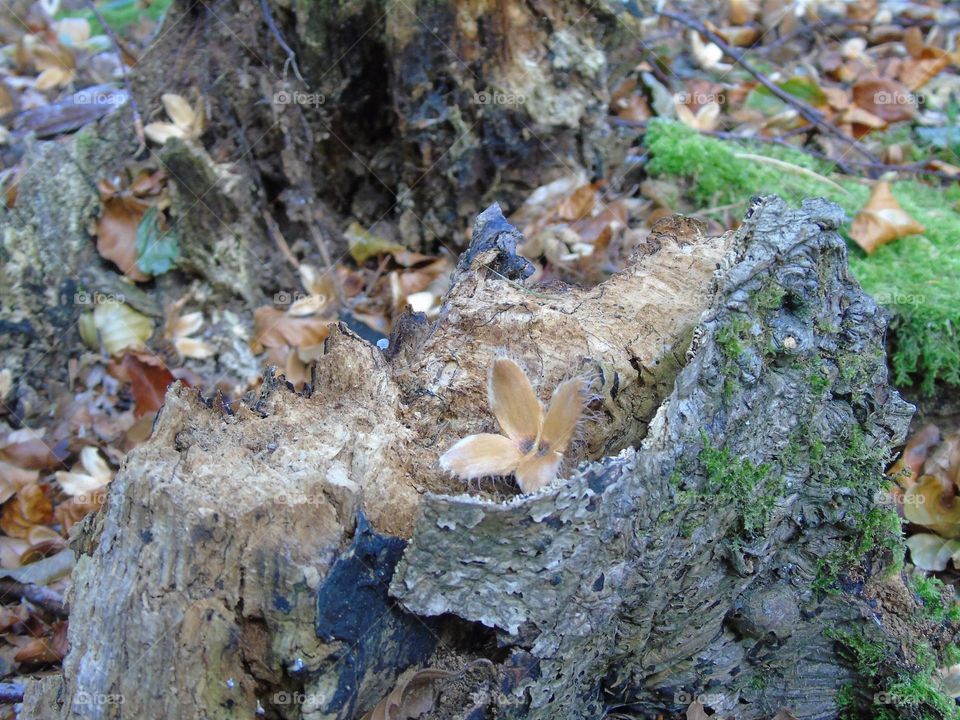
(882, 220)
(149, 379)
(274, 328)
(908, 467)
(91, 474)
(117, 229)
(117, 327)
(29, 507)
(886, 99)
(412, 696)
(706, 119)
(856, 115)
(45, 650)
(579, 204)
(932, 503)
(27, 448)
(917, 71)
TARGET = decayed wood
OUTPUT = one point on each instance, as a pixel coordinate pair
(197, 593)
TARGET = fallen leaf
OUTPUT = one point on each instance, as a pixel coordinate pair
(411, 697)
(705, 120)
(934, 506)
(149, 379)
(117, 229)
(119, 327)
(29, 507)
(931, 552)
(95, 474)
(28, 448)
(884, 98)
(274, 328)
(882, 220)
(45, 650)
(187, 123)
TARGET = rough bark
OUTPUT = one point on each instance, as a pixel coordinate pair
(691, 552)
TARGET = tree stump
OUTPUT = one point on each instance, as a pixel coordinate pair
(719, 534)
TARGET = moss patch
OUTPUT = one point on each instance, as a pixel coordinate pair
(916, 278)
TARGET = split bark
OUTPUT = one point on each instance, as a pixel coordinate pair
(228, 571)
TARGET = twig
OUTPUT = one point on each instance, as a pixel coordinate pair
(11, 692)
(806, 111)
(279, 240)
(40, 596)
(137, 119)
(790, 167)
(321, 242)
(291, 55)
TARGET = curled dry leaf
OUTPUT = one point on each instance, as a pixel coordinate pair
(413, 695)
(706, 119)
(931, 552)
(275, 328)
(533, 443)
(882, 220)
(187, 124)
(908, 467)
(117, 228)
(96, 474)
(149, 379)
(932, 504)
(116, 326)
(884, 98)
(45, 650)
(27, 448)
(28, 508)
(178, 328)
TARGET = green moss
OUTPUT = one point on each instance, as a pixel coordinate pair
(951, 654)
(930, 592)
(917, 278)
(120, 15)
(733, 337)
(741, 484)
(922, 692)
(866, 656)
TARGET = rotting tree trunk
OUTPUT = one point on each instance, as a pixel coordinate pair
(705, 546)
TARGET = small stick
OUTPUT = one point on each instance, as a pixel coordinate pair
(281, 242)
(42, 597)
(809, 114)
(321, 242)
(137, 119)
(11, 692)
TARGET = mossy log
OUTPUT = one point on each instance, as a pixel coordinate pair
(719, 539)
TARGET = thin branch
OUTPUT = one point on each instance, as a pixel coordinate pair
(40, 596)
(137, 119)
(11, 692)
(291, 55)
(806, 111)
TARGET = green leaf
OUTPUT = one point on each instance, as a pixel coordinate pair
(157, 251)
(802, 88)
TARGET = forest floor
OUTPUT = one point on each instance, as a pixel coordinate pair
(856, 103)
